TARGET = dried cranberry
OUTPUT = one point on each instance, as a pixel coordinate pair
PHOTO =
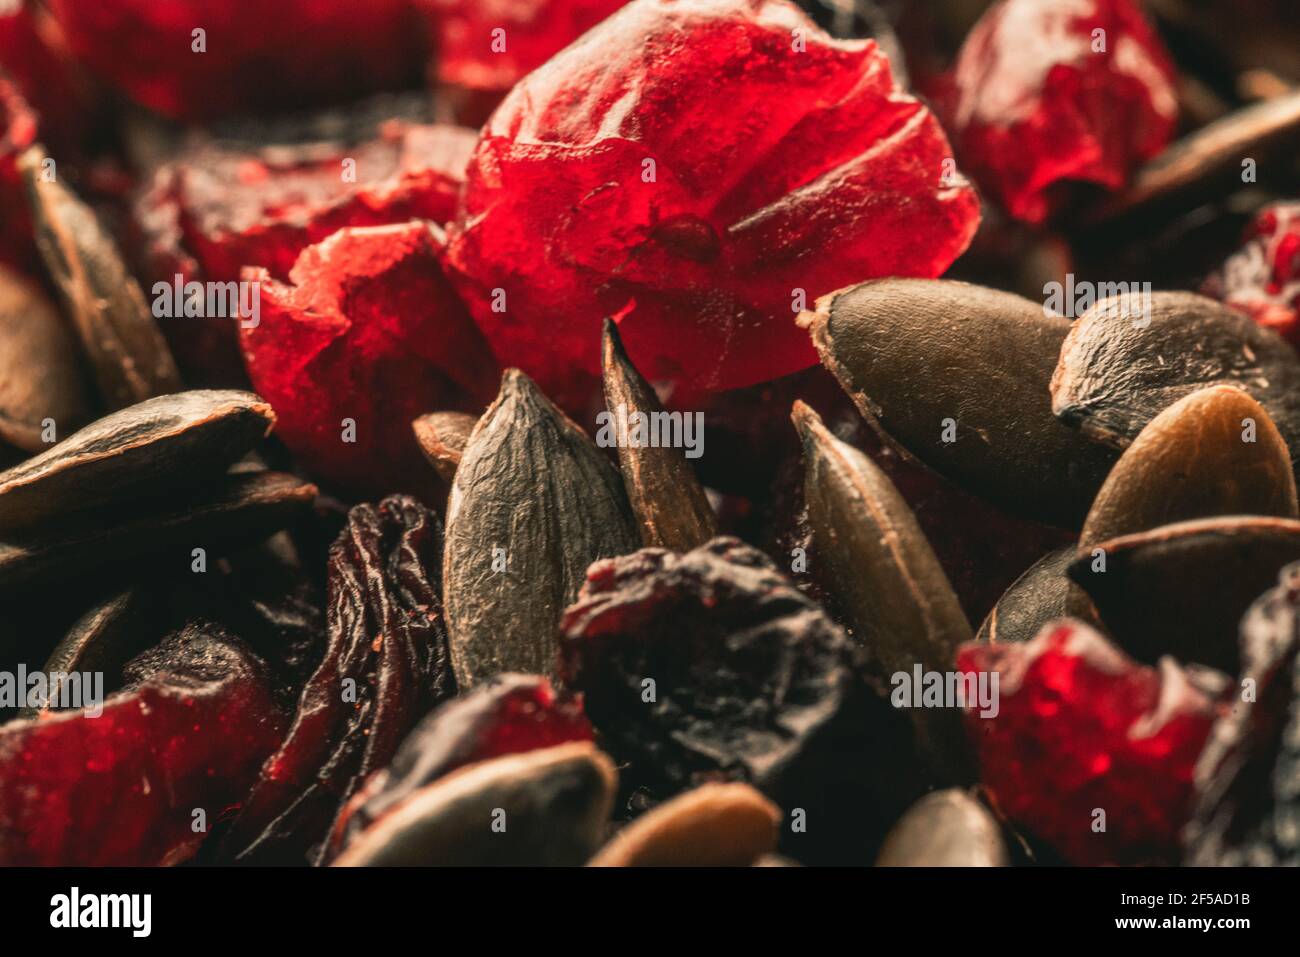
(1049, 92)
(369, 336)
(1089, 750)
(697, 197)
(508, 714)
(248, 56)
(712, 666)
(122, 788)
(17, 132)
(1262, 279)
(33, 54)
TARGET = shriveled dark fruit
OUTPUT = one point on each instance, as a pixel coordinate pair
(533, 504)
(162, 444)
(1248, 777)
(1208, 158)
(121, 789)
(667, 499)
(544, 807)
(1039, 595)
(237, 507)
(41, 374)
(127, 351)
(102, 640)
(384, 667)
(711, 666)
(945, 829)
(1214, 452)
(506, 714)
(922, 357)
(715, 825)
(885, 577)
(1181, 589)
(442, 437)
(1118, 370)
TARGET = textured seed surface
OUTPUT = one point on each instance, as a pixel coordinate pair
(164, 443)
(442, 437)
(41, 374)
(1116, 374)
(1181, 589)
(667, 499)
(716, 825)
(916, 353)
(533, 504)
(551, 806)
(129, 356)
(1038, 596)
(945, 829)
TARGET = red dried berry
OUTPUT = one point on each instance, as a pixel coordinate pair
(369, 336)
(197, 59)
(121, 788)
(1082, 729)
(33, 54)
(17, 132)
(509, 714)
(1049, 92)
(1262, 279)
(698, 170)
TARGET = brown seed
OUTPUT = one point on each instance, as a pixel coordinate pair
(41, 376)
(545, 807)
(1037, 596)
(127, 351)
(238, 507)
(442, 437)
(533, 504)
(669, 503)
(1118, 370)
(162, 444)
(924, 357)
(945, 829)
(1181, 589)
(716, 825)
(1214, 452)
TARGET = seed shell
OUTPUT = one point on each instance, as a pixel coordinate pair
(945, 829)
(442, 437)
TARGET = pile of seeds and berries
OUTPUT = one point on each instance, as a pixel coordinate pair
(537, 432)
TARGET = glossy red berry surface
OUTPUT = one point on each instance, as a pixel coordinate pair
(700, 171)
(1046, 93)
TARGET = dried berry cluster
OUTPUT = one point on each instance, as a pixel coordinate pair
(585, 432)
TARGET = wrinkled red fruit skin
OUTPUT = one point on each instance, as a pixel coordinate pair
(777, 175)
(33, 54)
(290, 54)
(1262, 279)
(17, 132)
(121, 789)
(508, 715)
(1031, 106)
(370, 330)
(1081, 727)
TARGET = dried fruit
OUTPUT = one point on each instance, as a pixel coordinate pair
(945, 829)
(41, 375)
(1051, 92)
(715, 825)
(507, 714)
(384, 667)
(534, 503)
(17, 133)
(121, 789)
(443, 437)
(666, 497)
(1169, 591)
(1262, 279)
(129, 356)
(162, 444)
(926, 361)
(1121, 368)
(605, 185)
(1081, 730)
(1247, 801)
(550, 807)
(197, 59)
(711, 666)
(368, 336)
